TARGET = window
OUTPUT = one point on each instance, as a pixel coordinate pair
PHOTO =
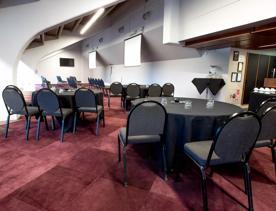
(133, 51)
(92, 60)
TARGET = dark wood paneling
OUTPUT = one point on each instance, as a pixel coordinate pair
(258, 35)
(262, 70)
(272, 64)
(250, 79)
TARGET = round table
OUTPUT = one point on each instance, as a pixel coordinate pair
(194, 124)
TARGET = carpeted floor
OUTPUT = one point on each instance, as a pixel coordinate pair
(83, 174)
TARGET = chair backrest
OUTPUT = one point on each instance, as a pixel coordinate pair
(48, 101)
(236, 139)
(72, 82)
(133, 90)
(116, 88)
(90, 81)
(268, 131)
(168, 89)
(14, 100)
(45, 82)
(155, 90)
(59, 79)
(146, 118)
(102, 83)
(265, 105)
(85, 98)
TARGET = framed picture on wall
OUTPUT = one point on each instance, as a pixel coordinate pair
(236, 56)
(233, 77)
(240, 66)
(239, 77)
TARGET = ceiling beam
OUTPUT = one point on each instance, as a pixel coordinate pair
(59, 32)
(76, 24)
(42, 38)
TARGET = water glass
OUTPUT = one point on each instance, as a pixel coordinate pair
(210, 103)
(187, 104)
(164, 101)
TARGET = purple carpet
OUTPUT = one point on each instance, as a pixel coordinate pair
(83, 174)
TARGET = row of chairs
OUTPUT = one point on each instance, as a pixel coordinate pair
(133, 91)
(233, 142)
(48, 104)
(94, 82)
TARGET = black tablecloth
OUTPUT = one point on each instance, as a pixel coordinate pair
(195, 124)
(214, 84)
(255, 100)
(67, 100)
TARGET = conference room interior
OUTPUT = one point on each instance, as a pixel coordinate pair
(138, 105)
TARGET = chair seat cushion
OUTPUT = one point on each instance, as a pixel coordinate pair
(90, 109)
(199, 151)
(115, 95)
(65, 111)
(32, 110)
(263, 143)
(141, 139)
(132, 98)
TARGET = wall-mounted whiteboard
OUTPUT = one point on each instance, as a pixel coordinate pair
(132, 51)
(92, 60)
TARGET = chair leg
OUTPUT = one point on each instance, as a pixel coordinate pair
(7, 126)
(62, 130)
(108, 101)
(75, 122)
(97, 124)
(245, 180)
(46, 123)
(249, 188)
(119, 150)
(38, 128)
(28, 127)
(164, 162)
(26, 122)
(204, 189)
(53, 123)
(273, 153)
(125, 166)
(103, 118)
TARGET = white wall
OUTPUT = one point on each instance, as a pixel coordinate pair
(50, 67)
(19, 24)
(180, 72)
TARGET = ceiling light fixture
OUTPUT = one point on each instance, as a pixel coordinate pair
(92, 20)
(267, 46)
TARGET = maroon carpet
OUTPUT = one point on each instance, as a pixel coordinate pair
(83, 174)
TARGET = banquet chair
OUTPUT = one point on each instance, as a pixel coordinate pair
(59, 79)
(145, 124)
(45, 82)
(72, 82)
(132, 93)
(168, 90)
(233, 143)
(48, 102)
(115, 90)
(16, 104)
(265, 105)
(155, 90)
(86, 101)
(267, 137)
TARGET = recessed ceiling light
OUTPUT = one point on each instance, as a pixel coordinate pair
(92, 20)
